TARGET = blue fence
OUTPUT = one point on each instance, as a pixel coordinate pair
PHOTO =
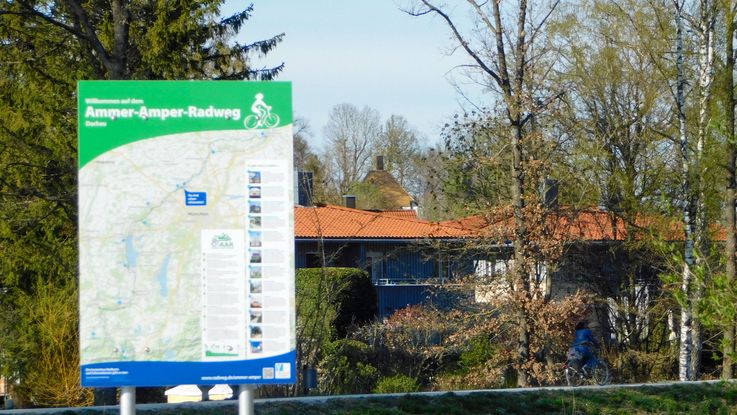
(395, 297)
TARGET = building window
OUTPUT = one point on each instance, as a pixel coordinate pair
(375, 267)
(491, 268)
(313, 260)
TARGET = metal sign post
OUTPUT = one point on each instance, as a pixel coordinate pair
(128, 400)
(245, 399)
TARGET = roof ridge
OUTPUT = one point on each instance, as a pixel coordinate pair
(378, 214)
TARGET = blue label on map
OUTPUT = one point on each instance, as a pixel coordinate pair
(195, 198)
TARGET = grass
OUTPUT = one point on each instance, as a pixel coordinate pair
(719, 398)
(714, 398)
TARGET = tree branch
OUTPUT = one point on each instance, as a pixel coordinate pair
(482, 15)
(537, 28)
(31, 12)
(459, 37)
(501, 54)
(89, 33)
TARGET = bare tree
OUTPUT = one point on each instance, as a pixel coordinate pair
(505, 54)
(302, 150)
(351, 136)
(307, 160)
(399, 144)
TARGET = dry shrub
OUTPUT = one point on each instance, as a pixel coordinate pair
(489, 375)
(53, 377)
(474, 345)
(551, 327)
(413, 342)
(633, 365)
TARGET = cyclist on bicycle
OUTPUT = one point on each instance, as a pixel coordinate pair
(583, 343)
(260, 108)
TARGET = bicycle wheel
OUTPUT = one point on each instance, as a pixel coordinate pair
(573, 377)
(250, 122)
(271, 120)
(600, 373)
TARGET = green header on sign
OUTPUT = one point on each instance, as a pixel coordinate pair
(115, 113)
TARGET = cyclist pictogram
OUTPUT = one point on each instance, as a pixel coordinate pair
(262, 116)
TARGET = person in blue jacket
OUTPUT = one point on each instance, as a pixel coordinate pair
(584, 342)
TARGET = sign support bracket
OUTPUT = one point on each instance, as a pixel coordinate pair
(128, 400)
(245, 399)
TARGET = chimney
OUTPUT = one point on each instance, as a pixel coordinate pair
(379, 162)
(304, 188)
(550, 193)
(349, 201)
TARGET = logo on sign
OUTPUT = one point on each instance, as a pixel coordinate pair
(262, 116)
(222, 241)
(282, 370)
(267, 373)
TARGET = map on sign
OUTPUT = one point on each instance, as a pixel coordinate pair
(186, 235)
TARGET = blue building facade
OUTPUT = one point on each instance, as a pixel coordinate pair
(403, 271)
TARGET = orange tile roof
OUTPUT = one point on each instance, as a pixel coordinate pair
(591, 224)
(332, 221)
(587, 225)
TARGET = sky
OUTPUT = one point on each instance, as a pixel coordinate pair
(362, 52)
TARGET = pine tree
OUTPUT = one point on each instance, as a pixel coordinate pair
(45, 47)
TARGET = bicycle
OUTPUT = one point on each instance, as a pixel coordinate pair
(596, 370)
(254, 121)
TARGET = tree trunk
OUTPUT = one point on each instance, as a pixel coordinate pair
(522, 281)
(673, 334)
(121, 22)
(697, 336)
(728, 350)
(523, 348)
(684, 359)
(730, 248)
(706, 77)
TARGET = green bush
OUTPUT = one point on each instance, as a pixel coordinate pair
(331, 300)
(479, 352)
(342, 369)
(397, 384)
(479, 366)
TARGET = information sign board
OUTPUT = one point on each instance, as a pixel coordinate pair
(186, 233)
